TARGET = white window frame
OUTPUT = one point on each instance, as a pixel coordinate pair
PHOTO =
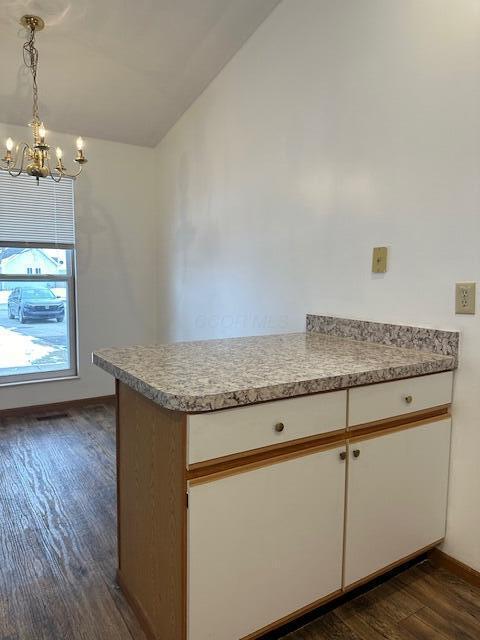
(70, 280)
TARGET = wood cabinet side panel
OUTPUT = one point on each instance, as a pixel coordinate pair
(152, 512)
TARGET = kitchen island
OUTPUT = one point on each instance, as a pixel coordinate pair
(260, 477)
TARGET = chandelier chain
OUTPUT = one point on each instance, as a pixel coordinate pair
(30, 58)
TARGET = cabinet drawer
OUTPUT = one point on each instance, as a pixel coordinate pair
(223, 433)
(379, 401)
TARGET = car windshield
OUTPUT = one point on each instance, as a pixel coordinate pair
(35, 294)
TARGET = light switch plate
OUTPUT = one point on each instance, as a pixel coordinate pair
(465, 297)
(379, 260)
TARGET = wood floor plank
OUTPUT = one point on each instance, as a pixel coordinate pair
(375, 622)
(396, 602)
(445, 604)
(429, 624)
(379, 611)
(27, 580)
(362, 628)
(421, 628)
(72, 514)
(60, 484)
(328, 627)
(466, 596)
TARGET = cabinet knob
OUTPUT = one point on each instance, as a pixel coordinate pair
(408, 399)
(279, 427)
(343, 455)
(356, 453)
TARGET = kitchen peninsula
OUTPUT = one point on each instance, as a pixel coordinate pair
(260, 477)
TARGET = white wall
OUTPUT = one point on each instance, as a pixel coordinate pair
(340, 125)
(114, 202)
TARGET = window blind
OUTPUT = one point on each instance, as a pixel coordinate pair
(39, 214)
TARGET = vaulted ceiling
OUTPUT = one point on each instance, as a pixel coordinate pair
(123, 70)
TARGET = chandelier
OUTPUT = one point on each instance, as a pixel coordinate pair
(34, 159)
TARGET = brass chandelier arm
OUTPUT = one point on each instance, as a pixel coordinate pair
(11, 167)
(77, 173)
(51, 173)
(57, 174)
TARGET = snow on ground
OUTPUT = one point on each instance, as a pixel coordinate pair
(17, 350)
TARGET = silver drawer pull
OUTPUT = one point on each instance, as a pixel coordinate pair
(408, 399)
(279, 427)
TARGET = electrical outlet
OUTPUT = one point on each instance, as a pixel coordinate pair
(465, 297)
(379, 259)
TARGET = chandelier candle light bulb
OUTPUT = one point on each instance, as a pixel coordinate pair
(36, 156)
(59, 153)
(80, 157)
(8, 155)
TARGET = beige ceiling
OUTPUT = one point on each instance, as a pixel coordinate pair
(123, 70)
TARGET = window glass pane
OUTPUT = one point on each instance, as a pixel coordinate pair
(34, 327)
(18, 261)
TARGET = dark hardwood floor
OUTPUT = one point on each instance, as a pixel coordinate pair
(58, 552)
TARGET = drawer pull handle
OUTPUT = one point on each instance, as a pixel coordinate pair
(279, 427)
(356, 453)
(343, 455)
(408, 399)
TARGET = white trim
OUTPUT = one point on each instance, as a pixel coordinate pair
(23, 382)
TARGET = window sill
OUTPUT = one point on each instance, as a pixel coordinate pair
(39, 381)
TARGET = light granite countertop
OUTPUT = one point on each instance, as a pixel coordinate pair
(216, 374)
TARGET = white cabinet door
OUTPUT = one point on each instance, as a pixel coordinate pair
(264, 543)
(396, 498)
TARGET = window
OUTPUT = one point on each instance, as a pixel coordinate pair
(37, 279)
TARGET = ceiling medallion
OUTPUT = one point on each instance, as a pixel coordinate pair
(35, 159)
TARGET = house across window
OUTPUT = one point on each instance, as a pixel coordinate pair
(37, 290)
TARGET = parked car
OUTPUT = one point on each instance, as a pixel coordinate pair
(35, 303)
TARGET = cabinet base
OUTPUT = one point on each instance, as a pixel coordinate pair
(257, 635)
(391, 566)
(136, 608)
(293, 616)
